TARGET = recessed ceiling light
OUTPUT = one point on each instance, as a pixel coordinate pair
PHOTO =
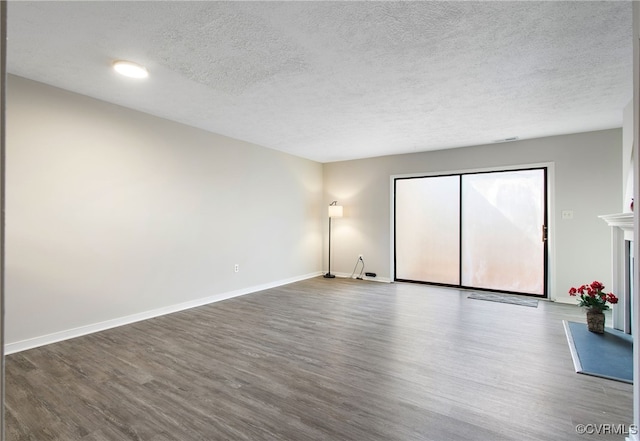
(130, 69)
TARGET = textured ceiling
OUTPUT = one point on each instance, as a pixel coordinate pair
(341, 80)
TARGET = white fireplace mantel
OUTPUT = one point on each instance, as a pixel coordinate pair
(621, 231)
(623, 221)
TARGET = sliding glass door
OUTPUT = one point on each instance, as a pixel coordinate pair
(427, 230)
(477, 230)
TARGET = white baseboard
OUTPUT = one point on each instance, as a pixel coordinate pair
(371, 279)
(23, 345)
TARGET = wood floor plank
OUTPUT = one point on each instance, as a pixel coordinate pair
(318, 360)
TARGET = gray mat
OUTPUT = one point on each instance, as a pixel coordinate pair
(503, 298)
(608, 355)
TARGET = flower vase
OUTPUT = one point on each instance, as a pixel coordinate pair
(595, 320)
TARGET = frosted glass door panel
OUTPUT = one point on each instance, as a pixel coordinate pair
(502, 218)
(427, 229)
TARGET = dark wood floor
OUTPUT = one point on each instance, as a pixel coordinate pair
(318, 360)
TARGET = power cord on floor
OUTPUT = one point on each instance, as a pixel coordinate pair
(360, 259)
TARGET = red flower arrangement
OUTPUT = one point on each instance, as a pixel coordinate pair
(592, 296)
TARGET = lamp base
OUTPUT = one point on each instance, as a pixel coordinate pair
(329, 276)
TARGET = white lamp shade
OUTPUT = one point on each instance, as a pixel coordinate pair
(335, 210)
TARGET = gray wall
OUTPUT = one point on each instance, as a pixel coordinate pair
(115, 215)
(3, 82)
(587, 178)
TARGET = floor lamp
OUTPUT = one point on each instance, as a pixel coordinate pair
(335, 210)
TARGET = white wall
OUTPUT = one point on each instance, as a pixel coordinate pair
(588, 180)
(627, 157)
(635, 324)
(113, 213)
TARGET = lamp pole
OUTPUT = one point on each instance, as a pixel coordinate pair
(329, 275)
(335, 210)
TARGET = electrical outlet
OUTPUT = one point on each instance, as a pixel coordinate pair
(236, 268)
(567, 214)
